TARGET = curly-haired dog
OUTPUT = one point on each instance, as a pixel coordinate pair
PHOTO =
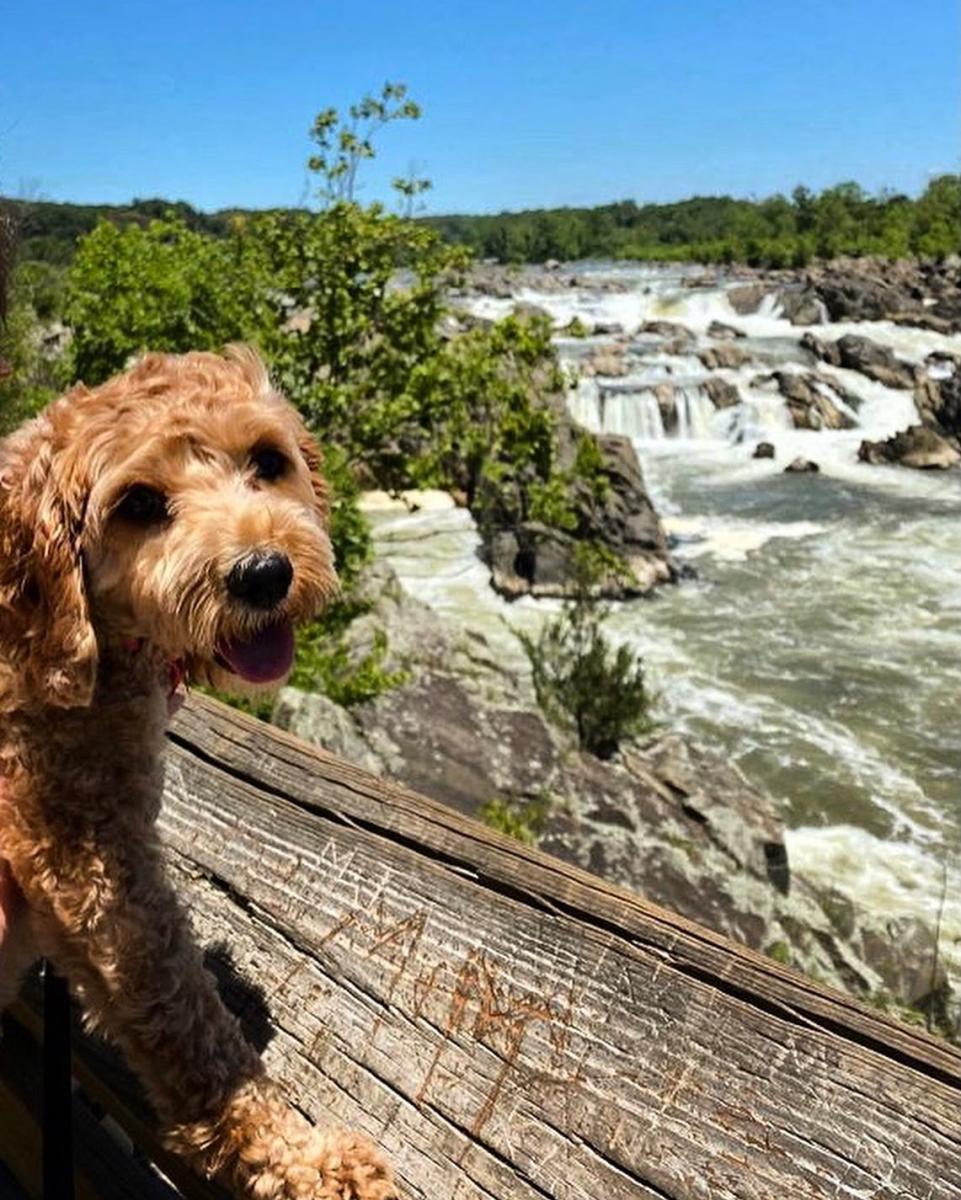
(170, 522)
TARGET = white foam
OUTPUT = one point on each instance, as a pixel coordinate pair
(894, 878)
(732, 540)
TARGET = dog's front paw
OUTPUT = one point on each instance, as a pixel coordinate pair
(340, 1164)
(262, 1149)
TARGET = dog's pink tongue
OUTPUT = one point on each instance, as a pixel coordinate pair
(266, 657)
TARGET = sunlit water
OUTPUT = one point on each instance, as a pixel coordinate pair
(820, 646)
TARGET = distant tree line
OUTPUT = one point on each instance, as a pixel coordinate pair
(48, 231)
(778, 231)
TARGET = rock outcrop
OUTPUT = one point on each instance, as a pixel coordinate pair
(802, 306)
(528, 557)
(935, 444)
(665, 818)
(939, 402)
(746, 298)
(718, 329)
(811, 400)
(918, 446)
(724, 355)
(667, 329)
(861, 354)
(852, 297)
(722, 393)
(910, 292)
(606, 360)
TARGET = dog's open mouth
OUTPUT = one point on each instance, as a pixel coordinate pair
(267, 656)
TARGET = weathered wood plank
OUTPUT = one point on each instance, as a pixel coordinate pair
(276, 762)
(508, 1026)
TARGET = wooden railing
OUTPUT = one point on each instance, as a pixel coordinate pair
(504, 1025)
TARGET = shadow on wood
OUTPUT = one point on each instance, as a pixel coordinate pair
(507, 1026)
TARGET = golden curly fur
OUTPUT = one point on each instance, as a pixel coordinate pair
(123, 511)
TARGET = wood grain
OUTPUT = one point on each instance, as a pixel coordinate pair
(507, 1026)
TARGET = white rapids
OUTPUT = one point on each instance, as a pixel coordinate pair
(820, 646)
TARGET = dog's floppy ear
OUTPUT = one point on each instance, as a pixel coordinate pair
(48, 648)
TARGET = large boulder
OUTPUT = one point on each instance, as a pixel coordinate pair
(802, 306)
(721, 392)
(853, 297)
(718, 329)
(939, 403)
(811, 401)
(724, 355)
(746, 298)
(608, 361)
(671, 330)
(911, 292)
(861, 354)
(919, 447)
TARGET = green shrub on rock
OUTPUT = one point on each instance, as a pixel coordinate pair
(520, 819)
(583, 681)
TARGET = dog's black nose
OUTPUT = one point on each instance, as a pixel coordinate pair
(261, 580)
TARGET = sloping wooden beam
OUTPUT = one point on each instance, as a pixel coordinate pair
(509, 1027)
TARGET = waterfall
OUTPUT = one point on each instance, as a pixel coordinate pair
(695, 412)
(635, 409)
(634, 414)
(584, 404)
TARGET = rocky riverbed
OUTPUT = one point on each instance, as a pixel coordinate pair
(790, 441)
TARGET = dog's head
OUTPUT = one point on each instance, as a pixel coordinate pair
(178, 505)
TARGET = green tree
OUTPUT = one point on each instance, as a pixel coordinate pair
(162, 287)
(583, 681)
(344, 143)
(937, 218)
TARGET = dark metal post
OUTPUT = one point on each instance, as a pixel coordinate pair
(57, 1096)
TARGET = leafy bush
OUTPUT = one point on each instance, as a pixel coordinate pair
(523, 820)
(30, 375)
(159, 287)
(325, 664)
(585, 683)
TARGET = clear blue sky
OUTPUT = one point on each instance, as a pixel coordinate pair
(527, 103)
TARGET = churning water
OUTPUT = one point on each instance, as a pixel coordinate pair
(820, 645)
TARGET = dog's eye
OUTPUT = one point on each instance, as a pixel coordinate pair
(143, 504)
(269, 463)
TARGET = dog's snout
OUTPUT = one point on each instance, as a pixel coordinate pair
(261, 580)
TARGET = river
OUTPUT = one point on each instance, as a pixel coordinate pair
(819, 646)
